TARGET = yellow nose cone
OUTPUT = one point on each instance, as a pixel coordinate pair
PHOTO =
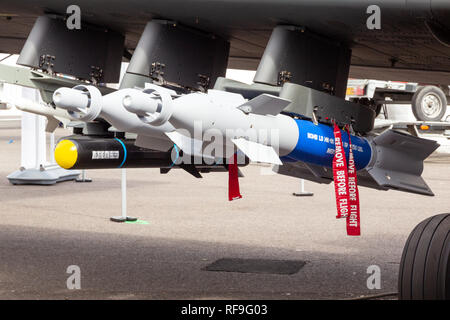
(66, 154)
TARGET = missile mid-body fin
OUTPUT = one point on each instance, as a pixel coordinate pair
(265, 104)
(257, 152)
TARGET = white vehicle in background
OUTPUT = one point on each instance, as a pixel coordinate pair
(428, 102)
(427, 117)
(3, 103)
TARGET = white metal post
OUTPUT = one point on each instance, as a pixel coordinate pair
(52, 148)
(123, 190)
(124, 193)
(83, 177)
(302, 192)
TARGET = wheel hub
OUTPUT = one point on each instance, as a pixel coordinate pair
(431, 105)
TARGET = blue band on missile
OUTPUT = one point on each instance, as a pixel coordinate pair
(178, 155)
(315, 145)
(124, 153)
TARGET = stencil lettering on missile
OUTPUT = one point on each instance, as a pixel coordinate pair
(320, 138)
(96, 155)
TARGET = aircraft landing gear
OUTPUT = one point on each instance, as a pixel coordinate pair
(424, 272)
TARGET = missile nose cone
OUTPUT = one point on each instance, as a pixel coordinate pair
(127, 101)
(81, 102)
(140, 103)
(71, 99)
(57, 97)
(66, 154)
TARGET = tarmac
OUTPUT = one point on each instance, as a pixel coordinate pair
(186, 224)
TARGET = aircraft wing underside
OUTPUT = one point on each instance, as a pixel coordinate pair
(413, 37)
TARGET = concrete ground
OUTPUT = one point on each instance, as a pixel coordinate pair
(45, 229)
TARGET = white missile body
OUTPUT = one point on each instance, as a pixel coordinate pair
(233, 123)
(86, 103)
(298, 142)
(153, 114)
(224, 113)
(256, 127)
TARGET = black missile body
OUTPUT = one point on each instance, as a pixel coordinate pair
(87, 152)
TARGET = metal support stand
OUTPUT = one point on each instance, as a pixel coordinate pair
(52, 147)
(34, 168)
(83, 177)
(302, 192)
(124, 216)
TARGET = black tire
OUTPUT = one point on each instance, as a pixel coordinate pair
(424, 272)
(429, 103)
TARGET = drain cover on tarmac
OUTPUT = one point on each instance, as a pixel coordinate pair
(256, 266)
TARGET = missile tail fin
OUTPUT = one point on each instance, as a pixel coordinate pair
(398, 162)
(305, 171)
(191, 169)
(52, 124)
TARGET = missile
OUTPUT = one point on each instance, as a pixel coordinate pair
(294, 145)
(84, 152)
(392, 160)
(151, 131)
(81, 102)
(54, 115)
(86, 103)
